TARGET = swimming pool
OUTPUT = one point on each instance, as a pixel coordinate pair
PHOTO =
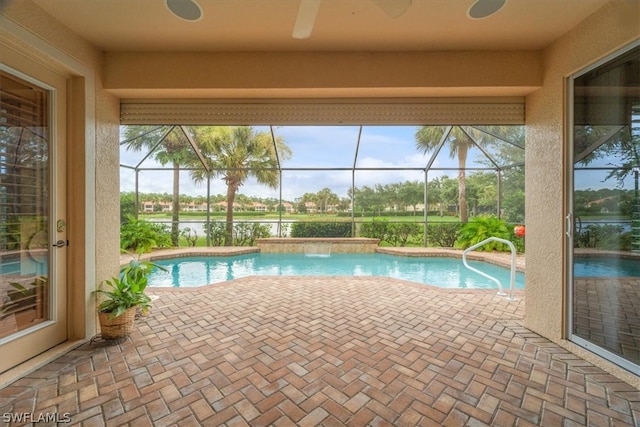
(601, 266)
(437, 271)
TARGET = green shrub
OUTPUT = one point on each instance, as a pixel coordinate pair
(481, 228)
(321, 229)
(443, 235)
(603, 236)
(216, 232)
(395, 234)
(138, 235)
(376, 229)
(190, 235)
(399, 234)
(246, 233)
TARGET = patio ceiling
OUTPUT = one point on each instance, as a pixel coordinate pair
(340, 25)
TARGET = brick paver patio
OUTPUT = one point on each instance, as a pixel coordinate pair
(327, 351)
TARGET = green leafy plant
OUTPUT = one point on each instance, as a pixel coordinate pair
(246, 233)
(137, 271)
(481, 228)
(138, 235)
(399, 234)
(376, 229)
(602, 236)
(443, 235)
(127, 290)
(191, 236)
(120, 296)
(216, 232)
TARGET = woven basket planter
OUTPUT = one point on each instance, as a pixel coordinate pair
(118, 327)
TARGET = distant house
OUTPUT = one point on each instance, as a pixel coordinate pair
(288, 207)
(150, 206)
(146, 207)
(188, 207)
(600, 201)
(222, 206)
(606, 204)
(259, 207)
(417, 208)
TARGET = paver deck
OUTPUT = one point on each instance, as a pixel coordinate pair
(329, 351)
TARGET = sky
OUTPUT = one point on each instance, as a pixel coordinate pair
(333, 147)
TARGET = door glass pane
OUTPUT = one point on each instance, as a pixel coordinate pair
(606, 203)
(24, 205)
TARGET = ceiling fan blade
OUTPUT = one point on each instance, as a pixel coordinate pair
(485, 8)
(306, 18)
(393, 8)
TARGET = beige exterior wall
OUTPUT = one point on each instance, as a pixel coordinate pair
(92, 159)
(322, 74)
(611, 28)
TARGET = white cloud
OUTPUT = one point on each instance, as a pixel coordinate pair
(383, 147)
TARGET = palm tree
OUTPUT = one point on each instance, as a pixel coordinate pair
(325, 198)
(166, 145)
(460, 139)
(429, 138)
(235, 153)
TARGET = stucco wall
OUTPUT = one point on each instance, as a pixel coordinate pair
(107, 185)
(342, 74)
(609, 29)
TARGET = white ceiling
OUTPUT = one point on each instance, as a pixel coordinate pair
(341, 25)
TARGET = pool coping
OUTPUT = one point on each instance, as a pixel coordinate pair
(502, 259)
(497, 258)
(160, 254)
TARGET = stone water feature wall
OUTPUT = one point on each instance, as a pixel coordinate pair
(317, 245)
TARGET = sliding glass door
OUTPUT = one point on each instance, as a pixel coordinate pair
(603, 221)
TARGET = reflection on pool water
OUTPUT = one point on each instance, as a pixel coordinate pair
(602, 266)
(437, 271)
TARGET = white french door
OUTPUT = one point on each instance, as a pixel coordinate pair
(33, 245)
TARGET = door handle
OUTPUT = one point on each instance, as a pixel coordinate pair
(569, 226)
(61, 244)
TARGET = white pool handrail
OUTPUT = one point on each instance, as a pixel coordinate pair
(513, 265)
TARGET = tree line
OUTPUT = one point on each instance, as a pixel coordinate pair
(380, 200)
(235, 153)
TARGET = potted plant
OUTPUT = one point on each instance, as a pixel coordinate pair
(123, 297)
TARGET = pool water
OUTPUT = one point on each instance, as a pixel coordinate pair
(436, 271)
(595, 266)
